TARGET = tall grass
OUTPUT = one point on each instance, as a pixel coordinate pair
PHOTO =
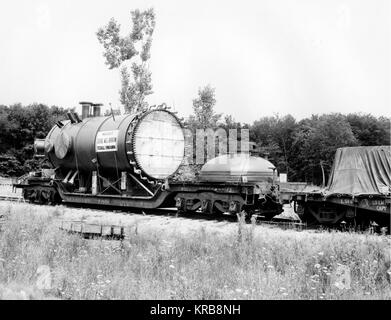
(251, 263)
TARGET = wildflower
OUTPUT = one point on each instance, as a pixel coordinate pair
(238, 290)
(108, 281)
(342, 277)
(321, 253)
(171, 266)
(317, 266)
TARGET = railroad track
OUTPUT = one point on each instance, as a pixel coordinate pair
(110, 231)
(92, 230)
(12, 198)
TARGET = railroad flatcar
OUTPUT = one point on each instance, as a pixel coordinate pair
(128, 161)
(232, 183)
(358, 192)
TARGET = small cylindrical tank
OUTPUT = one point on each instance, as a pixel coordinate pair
(152, 142)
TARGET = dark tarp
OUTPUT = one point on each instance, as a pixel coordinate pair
(361, 170)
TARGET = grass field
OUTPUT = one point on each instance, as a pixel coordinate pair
(250, 262)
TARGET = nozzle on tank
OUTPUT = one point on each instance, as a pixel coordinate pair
(71, 117)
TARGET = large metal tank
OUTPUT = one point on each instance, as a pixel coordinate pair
(152, 142)
(240, 167)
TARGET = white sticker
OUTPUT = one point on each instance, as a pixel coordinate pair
(106, 141)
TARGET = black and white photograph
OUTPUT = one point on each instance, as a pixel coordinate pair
(198, 152)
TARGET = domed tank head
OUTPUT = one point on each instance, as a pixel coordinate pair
(237, 168)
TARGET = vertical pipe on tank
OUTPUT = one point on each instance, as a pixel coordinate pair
(96, 109)
(85, 109)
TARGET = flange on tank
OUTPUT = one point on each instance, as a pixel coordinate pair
(150, 143)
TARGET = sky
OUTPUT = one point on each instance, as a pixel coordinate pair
(300, 57)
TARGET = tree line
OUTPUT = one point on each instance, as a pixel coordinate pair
(19, 126)
(299, 148)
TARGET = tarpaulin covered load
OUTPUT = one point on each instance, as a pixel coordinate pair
(361, 170)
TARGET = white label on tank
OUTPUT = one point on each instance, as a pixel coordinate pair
(283, 177)
(106, 141)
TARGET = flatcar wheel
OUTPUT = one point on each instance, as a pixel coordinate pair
(56, 198)
(250, 217)
(248, 213)
(42, 198)
(218, 209)
(37, 196)
(26, 195)
(308, 218)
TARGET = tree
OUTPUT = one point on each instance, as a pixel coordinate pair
(274, 136)
(368, 130)
(19, 126)
(285, 128)
(316, 141)
(133, 49)
(203, 106)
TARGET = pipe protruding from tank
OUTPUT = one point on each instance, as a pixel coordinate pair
(77, 117)
(71, 117)
(59, 124)
(39, 148)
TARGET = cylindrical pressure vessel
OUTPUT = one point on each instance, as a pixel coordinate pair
(152, 141)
